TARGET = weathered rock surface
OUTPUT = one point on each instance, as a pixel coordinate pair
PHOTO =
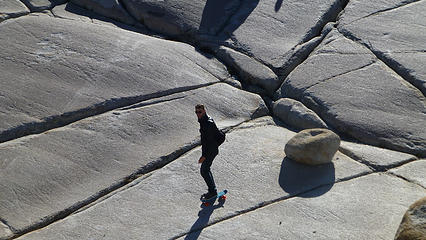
(350, 210)
(378, 158)
(70, 69)
(63, 168)
(313, 146)
(269, 29)
(87, 107)
(248, 171)
(297, 115)
(250, 70)
(394, 34)
(353, 92)
(12, 8)
(108, 8)
(39, 5)
(414, 172)
(413, 225)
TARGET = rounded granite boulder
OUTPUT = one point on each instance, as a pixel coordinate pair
(413, 224)
(313, 146)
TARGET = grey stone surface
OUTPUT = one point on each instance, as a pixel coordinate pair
(180, 18)
(56, 66)
(359, 9)
(269, 29)
(44, 174)
(369, 207)
(249, 70)
(375, 157)
(39, 5)
(12, 8)
(356, 94)
(414, 172)
(313, 146)
(297, 115)
(170, 196)
(108, 8)
(396, 36)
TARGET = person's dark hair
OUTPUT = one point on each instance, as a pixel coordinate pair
(199, 106)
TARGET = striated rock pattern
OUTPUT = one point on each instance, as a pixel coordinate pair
(98, 134)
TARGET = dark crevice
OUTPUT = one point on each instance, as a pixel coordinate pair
(311, 41)
(405, 179)
(376, 168)
(108, 192)
(338, 75)
(401, 4)
(268, 203)
(388, 61)
(67, 118)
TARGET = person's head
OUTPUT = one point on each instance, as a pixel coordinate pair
(200, 110)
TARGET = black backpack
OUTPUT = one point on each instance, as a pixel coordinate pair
(220, 137)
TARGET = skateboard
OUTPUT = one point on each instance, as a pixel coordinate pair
(220, 195)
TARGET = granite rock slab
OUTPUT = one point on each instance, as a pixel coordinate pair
(360, 96)
(267, 30)
(55, 66)
(249, 70)
(251, 165)
(377, 158)
(395, 34)
(12, 8)
(296, 115)
(350, 210)
(413, 171)
(63, 169)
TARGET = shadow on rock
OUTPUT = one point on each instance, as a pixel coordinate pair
(296, 178)
(202, 221)
(278, 5)
(75, 9)
(213, 23)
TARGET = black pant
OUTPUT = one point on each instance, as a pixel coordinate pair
(207, 174)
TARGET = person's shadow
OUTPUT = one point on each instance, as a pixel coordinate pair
(224, 16)
(296, 178)
(202, 221)
(278, 5)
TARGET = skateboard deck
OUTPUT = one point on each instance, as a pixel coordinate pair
(220, 196)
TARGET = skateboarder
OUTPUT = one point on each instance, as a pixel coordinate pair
(209, 147)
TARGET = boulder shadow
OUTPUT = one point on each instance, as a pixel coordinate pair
(202, 221)
(296, 178)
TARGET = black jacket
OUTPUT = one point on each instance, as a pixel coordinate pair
(208, 131)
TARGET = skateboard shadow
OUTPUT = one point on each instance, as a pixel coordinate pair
(296, 178)
(202, 221)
